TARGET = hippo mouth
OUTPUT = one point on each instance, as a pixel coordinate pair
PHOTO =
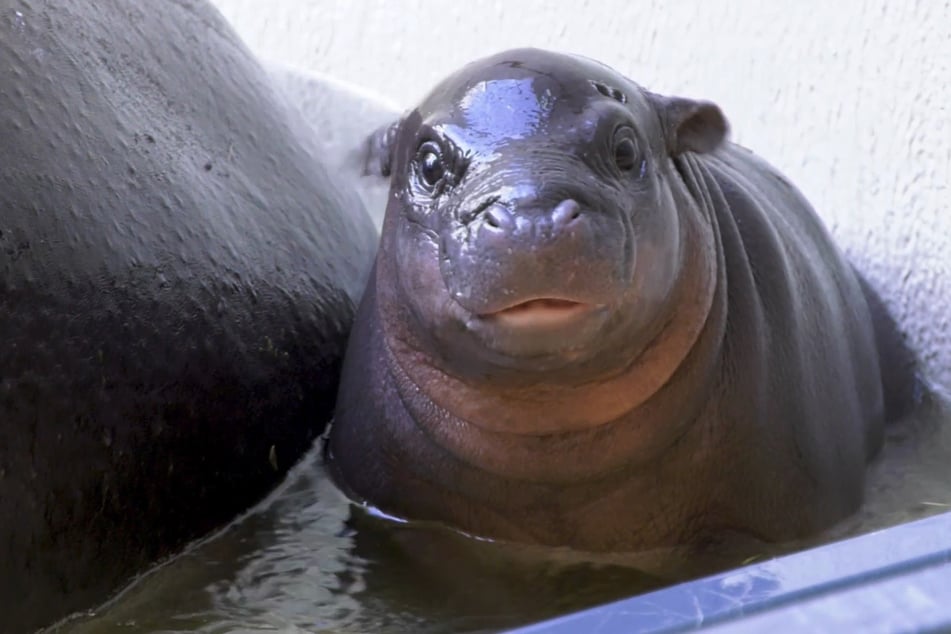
(550, 330)
(542, 312)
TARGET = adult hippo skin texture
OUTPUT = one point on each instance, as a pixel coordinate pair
(178, 277)
(594, 322)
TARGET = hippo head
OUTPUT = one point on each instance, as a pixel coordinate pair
(535, 222)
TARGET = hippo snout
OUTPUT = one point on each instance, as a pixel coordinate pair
(501, 226)
(512, 253)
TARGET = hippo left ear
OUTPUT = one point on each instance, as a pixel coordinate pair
(690, 126)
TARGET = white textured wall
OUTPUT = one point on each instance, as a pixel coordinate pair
(850, 99)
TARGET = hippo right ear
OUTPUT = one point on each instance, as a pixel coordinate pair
(378, 150)
(690, 126)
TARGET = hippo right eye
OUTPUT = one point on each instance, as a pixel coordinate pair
(432, 168)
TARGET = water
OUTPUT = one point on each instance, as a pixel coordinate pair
(305, 560)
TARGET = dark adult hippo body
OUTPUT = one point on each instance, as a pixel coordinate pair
(178, 275)
(594, 322)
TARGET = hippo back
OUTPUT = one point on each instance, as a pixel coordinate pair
(799, 327)
(178, 274)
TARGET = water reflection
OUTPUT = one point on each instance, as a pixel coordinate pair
(306, 561)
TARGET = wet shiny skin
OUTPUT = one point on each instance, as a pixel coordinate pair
(523, 187)
(594, 322)
(298, 563)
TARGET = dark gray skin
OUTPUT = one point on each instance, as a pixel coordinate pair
(594, 322)
(178, 276)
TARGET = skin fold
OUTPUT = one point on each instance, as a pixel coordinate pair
(594, 322)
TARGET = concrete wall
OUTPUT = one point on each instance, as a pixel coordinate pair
(849, 98)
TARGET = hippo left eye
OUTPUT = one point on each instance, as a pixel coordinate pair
(432, 168)
(625, 154)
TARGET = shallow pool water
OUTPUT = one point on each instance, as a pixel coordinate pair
(305, 560)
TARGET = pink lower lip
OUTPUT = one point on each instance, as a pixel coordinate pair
(540, 312)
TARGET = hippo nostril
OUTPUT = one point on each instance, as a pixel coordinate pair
(565, 213)
(467, 216)
(498, 217)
